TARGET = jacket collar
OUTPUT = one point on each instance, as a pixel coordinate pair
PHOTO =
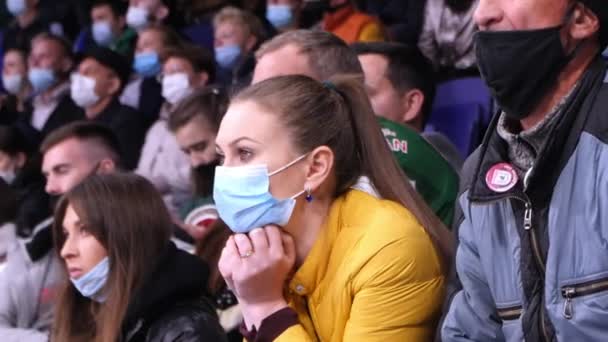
(553, 155)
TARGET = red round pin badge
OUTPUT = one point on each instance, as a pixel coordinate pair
(501, 177)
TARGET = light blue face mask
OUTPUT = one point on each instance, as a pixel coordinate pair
(243, 199)
(91, 283)
(41, 79)
(147, 64)
(102, 33)
(227, 56)
(280, 16)
(16, 7)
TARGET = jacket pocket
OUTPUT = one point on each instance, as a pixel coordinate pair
(572, 291)
(511, 322)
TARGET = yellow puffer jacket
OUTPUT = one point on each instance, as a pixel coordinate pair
(372, 275)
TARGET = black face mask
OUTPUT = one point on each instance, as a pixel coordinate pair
(202, 177)
(520, 67)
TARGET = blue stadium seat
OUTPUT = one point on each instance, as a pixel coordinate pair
(200, 34)
(462, 123)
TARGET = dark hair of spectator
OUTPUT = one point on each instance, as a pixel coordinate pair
(201, 59)
(407, 69)
(459, 6)
(13, 141)
(8, 203)
(85, 131)
(210, 103)
(350, 129)
(169, 37)
(327, 54)
(119, 8)
(118, 210)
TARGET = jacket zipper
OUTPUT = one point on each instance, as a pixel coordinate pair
(570, 292)
(539, 260)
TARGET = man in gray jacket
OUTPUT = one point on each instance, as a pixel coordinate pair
(29, 283)
(532, 259)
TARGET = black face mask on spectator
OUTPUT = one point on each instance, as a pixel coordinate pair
(519, 67)
(202, 177)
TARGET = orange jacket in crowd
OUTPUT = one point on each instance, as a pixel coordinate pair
(353, 26)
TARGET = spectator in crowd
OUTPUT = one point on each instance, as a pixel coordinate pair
(143, 13)
(118, 285)
(447, 36)
(28, 24)
(284, 15)
(8, 207)
(145, 92)
(15, 82)
(533, 226)
(400, 83)
(96, 85)
(20, 165)
(237, 35)
(320, 189)
(33, 272)
(317, 54)
(195, 123)
(109, 29)
(321, 55)
(402, 18)
(344, 20)
(50, 63)
(185, 70)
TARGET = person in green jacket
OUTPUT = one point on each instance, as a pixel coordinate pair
(400, 83)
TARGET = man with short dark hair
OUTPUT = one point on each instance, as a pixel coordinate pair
(33, 273)
(96, 86)
(50, 63)
(29, 22)
(533, 220)
(400, 83)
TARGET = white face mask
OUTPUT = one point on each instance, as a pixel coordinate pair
(8, 176)
(13, 83)
(176, 87)
(83, 90)
(137, 17)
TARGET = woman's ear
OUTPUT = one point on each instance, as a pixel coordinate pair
(321, 161)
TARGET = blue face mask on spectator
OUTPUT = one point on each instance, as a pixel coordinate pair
(243, 200)
(41, 79)
(91, 283)
(16, 7)
(147, 64)
(102, 33)
(280, 16)
(227, 56)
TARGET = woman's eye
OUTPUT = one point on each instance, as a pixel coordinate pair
(245, 155)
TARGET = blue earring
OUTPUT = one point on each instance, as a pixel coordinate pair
(308, 195)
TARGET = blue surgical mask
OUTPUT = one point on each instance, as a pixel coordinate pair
(280, 16)
(243, 199)
(16, 7)
(147, 64)
(91, 284)
(227, 56)
(41, 79)
(102, 33)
